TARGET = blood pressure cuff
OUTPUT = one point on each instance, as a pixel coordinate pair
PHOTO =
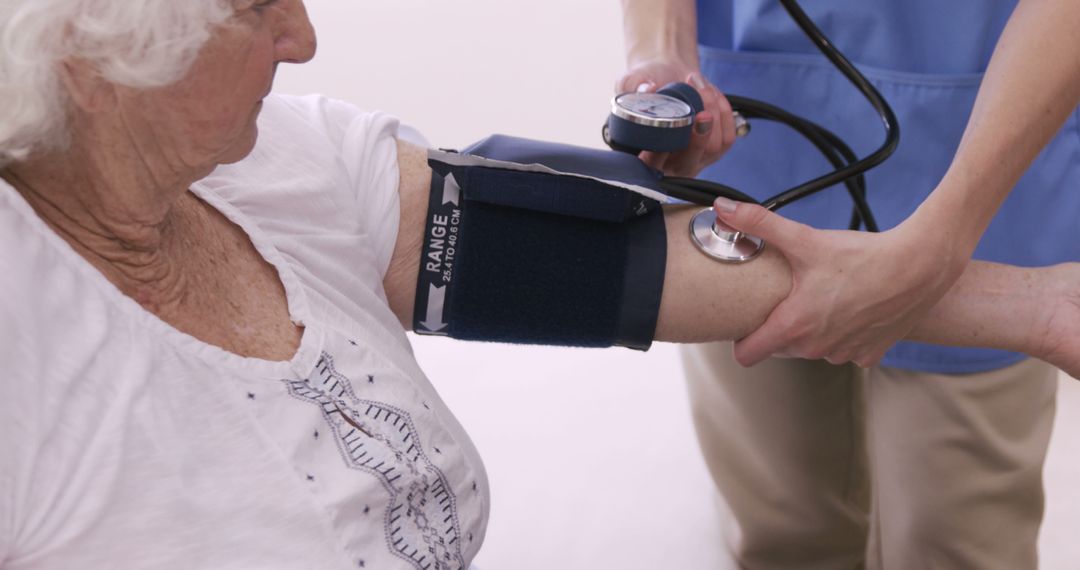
(566, 247)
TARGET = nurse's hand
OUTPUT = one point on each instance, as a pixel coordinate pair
(1060, 343)
(853, 294)
(714, 128)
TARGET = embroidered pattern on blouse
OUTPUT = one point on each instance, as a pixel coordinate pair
(421, 518)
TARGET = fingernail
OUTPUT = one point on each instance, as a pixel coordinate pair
(645, 87)
(697, 81)
(703, 127)
(725, 205)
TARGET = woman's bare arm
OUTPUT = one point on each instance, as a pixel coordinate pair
(702, 300)
(1036, 311)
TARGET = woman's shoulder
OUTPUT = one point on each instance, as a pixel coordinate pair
(32, 268)
(45, 288)
(311, 146)
(320, 116)
(320, 167)
(58, 329)
(319, 127)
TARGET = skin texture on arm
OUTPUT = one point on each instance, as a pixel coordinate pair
(659, 30)
(1033, 310)
(992, 306)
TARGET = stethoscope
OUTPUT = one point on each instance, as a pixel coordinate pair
(662, 122)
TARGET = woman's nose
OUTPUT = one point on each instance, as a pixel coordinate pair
(294, 38)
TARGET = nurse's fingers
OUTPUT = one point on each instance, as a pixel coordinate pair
(727, 122)
(639, 81)
(720, 108)
(790, 237)
(775, 333)
(691, 160)
(657, 160)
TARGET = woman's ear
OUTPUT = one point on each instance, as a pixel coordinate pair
(86, 87)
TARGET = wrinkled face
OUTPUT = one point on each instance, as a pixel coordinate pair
(208, 117)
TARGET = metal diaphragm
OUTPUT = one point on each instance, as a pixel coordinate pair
(720, 244)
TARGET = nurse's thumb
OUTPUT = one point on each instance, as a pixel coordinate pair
(757, 221)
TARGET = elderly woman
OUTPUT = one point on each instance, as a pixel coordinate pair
(203, 287)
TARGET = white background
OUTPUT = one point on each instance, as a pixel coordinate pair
(591, 455)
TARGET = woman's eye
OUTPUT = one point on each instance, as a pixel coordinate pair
(263, 4)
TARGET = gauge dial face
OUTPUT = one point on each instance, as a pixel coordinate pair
(654, 105)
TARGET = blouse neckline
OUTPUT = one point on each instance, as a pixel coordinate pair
(312, 339)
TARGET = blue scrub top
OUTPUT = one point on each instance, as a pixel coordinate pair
(927, 58)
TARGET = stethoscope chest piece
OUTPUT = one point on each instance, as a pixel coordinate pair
(720, 244)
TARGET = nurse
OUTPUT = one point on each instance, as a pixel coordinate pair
(866, 452)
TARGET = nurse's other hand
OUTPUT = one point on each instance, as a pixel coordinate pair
(714, 128)
(1060, 344)
(853, 294)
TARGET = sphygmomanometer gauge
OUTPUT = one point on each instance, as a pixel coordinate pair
(653, 109)
(660, 121)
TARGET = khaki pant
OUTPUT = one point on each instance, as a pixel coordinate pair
(836, 467)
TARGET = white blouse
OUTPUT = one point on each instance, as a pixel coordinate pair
(127, 443)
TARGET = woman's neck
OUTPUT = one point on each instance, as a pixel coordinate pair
(126, 223)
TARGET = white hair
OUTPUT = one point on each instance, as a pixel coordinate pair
(136, 43)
